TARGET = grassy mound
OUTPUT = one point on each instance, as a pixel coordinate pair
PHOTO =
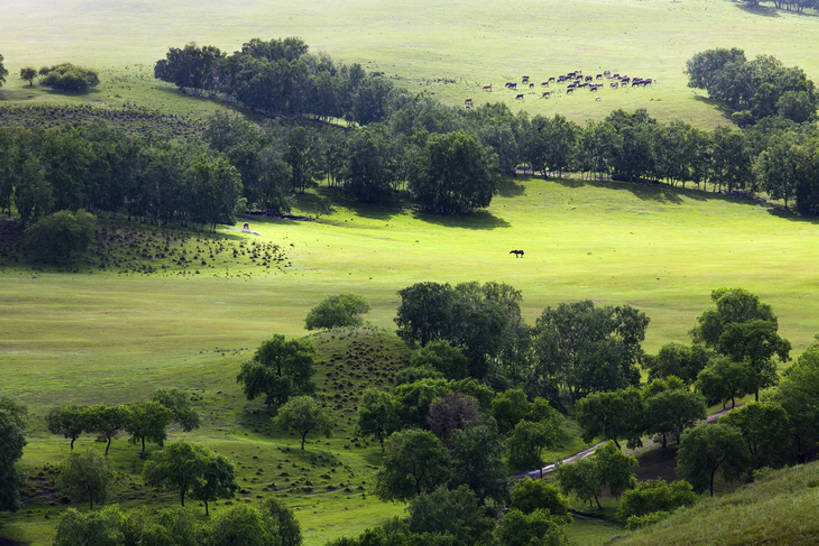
(778, 509)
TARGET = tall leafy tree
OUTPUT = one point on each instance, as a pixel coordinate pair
(303, 415)
(106, 421)
(683, 361)
(476, 460)
(798, 393)
(612, 415)
(280, 368)
(12, 441)
(216, 481)
(70, 421)
(766, 429)
(706, 449)
(414, 462)
(669, 412)
(147, 422)
(180, 404)
(85, 476)
(455, 512)
(377, 415)
(723, 380)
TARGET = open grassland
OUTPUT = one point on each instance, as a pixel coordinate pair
(113, 337)
(450, 49)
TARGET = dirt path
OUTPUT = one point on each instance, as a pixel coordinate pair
(538, 473)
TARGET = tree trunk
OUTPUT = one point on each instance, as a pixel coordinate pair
(616, 443)
(207, 512)
(108, 445)
(72, 442)
(665, 444)
(598, 502)
(303, 436)
(712, 481)
(142, 454)
(182, 496)
(756, 395)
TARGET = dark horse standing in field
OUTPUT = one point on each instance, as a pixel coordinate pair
(517, 253)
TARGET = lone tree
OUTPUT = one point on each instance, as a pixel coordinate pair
(612, 415)
(147, 422)
(527, 441)
(303, 415)
(705, 449)
(28, 74)
(279, 369)
(85, 476)
(337, 311)
(188, 467)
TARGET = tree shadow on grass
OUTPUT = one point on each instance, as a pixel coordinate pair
(765, 11)
(393, 205)
(721, 108)
(788, 214)
(481, 219)
(508, 187)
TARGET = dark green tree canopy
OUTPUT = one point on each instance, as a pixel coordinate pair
(180, 404)
(337, 311)
(69, 78)
(12, 441)
(612, 415)
(303, 415)
(706, 449)
(279, 369)
(414, 462)
(3, 72)
(85, 476)
(61, 237)
(529, 495)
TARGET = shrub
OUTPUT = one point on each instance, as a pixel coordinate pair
(69, 78)
(337, 311)
(636, 522)
(656, 496)
(61, 237)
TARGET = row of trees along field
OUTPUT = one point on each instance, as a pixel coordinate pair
(797, 6)
(484, 393)
(448, 159)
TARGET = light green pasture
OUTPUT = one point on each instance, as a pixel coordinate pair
(421, 43)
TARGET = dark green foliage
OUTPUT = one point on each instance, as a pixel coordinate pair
(509, 408)
(147, 422)
(529, 495)
(12, 441)
(441, 356)
(85, 476)
(370, 166)
(28, 74)
(483, 320)
(415, 398)
(106, 421)
(3, 72)
(414, 462)
(61, 237)
(453, 512)
(337, 311)
(766, 429)
(723, 380)
(612, 415)
(279, 369)
(180, 404)
(705, 449)
(637, 522)
(216, 480)
(798, 394)
(476, 460)
(413, 374)
(70, 421)
(536, 528)
(455, 175)
(243, 525)
(668, 412)
(550, 144)
(756, 86)
(172, 527)
(451, 412)
(585, 349)
(615, 468)
(106, 527)
(527, 441)
(287, 526)
(581, 478)
(68, 78)
(303, 415)
(683, 361)
(377, 415)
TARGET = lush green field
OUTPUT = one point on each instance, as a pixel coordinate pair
(450, 49)
(103, 336)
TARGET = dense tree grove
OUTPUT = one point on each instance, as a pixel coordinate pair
(68, 78)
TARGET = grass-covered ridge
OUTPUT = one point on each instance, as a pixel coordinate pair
(777, 509)
(450, 50)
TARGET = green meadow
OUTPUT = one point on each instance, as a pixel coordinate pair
(108, 337)
(116, 335)
(449, 49)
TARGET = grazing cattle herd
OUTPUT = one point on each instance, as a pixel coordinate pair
(573, 81)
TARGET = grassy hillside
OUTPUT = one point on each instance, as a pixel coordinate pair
(778, 509)
(115, 335)
(449, 49)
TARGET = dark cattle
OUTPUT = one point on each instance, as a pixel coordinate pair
(518, 253)
(598, 77)
(552, 79)
(546, 94)
(616, 75)
(648, 81)
(570, 90)
(544, 83)
(468, 103)
(531, 85)
(511, 85)
(519, 96)
(246, 227)
(614, 85)
(487, 87)
(525, 79)
(607, 72)
(561, 79)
